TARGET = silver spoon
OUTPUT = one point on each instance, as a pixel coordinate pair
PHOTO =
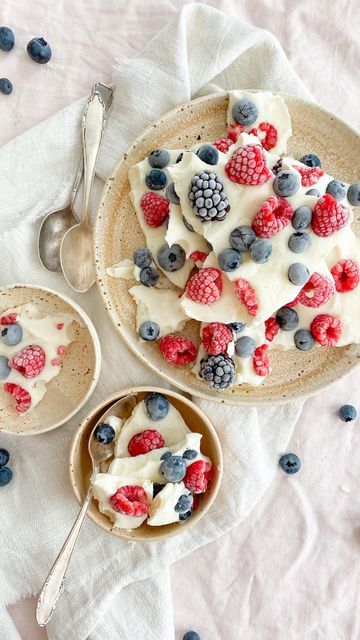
(98, 452)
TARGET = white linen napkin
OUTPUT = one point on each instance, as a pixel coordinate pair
(115, 588)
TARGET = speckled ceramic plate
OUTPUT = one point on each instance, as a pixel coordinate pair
(295, 374)
(69, 391)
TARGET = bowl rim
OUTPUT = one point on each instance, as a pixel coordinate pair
(198, 515)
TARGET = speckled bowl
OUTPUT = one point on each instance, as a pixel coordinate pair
(69, 391)
(295, 374)
(80, 463)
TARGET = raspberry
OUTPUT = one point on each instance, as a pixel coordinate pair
(234, 131)
(130, 500)
(10, 319)
(326, 329)
(272, 217)
(198, 476)
(61, 350)
(205, 286)
(272, 328)
(246, 295)
(155, 208)
(22, 397)
(328, 216)
(346, 275)
(177, 349)
(316, 291)
(216, 338)
(223, 144)
(309, 175)
(56, 362)
(271, 135)
(198, 256)
(247, 166)
(30, 361)
(261, 360)
(145, 441)
(60, 326)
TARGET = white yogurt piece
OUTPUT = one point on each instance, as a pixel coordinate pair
(145, 466)
(178, 233)
(106, 485)
(125, 269)
(162, 508)
(159, 305)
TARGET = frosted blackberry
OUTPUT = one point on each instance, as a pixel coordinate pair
(217, 371)
(207, 197)
(277, 167)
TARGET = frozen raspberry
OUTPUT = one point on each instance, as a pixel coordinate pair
(10, 319)
(30, 361)
(316, 291)
(56, 362)
(261, 360)
(130, 500)
(309, 175)
(60, 326)
(247, 166)
(61, 350)
(216, 337)
(234, 131)
(177, 349)
(328, 216)
(271, 135)
(326, 329)
(198, 256)
(198, 476)
(205, 286)
(272, 217)
(272, 328)
(155, 208)
(22, 397)
(223, 144)
(346, 275)
(246, 295)
(145, 441)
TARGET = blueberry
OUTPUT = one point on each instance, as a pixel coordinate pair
(5, 476)
(245, 346)
(311, 160)
(290, 463)
(237, 326)
(172, 468)
(11, 334)
(298, 274)
(287, 318)
(353, 194)
(159, 158)
(149, 276)
(157, 406)
(303, 340)
(171, 193)
(245, 111)
(191, 635)
(4, 368)
(286, 183)
(229, 259)
(241, 238)
(260, 250)
(149, 330)
(337, 189)
(313, 192)
(7, 39)
(156, 179)
(5, 86)
(157, 487)
(186, 515)
(39, 50)
(302, 217)
(190, 454)
(208, 153)
(347, 413)
(171, 258)
(104, 433)
(184, 503)
(142, 257)
(188, 225)
(299, 242)
(4, 457)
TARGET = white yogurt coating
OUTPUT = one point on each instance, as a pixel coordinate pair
(162, 508)
(159, 305)
(125, 269)
(106, 485)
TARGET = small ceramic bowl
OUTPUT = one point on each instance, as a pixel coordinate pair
(69, 391)
(80, 464)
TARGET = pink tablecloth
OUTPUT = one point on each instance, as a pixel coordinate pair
(291, 570)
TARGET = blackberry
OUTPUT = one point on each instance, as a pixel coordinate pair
(207, 197)
(277, 167)
(217, 371)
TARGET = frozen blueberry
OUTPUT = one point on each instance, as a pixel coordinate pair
(302, 217)
(5, 476)
(311, 160)
(299, 242)
(172, 468)
(237, 326)
(11, 334)
(184, 503)
(5, 86)
(298, 274)
(156, 179)
(208, 153)
(157, 487)
(353, 194)
(149, 330)
(7, 39)
(245, 346)
(149, 276)
(39, 50)
(171, 193)
(171, 258)
(286, 183)
(347, 413)
(260, 250)
(337, 189)
(157, 406)
(190, 454)
(104, 433)
(303, 340)
(245, 111)
(4, 368)
(142, 257)
(313, 192)
(191, 635)
(229, 259)
(287, 318)
(241, 238)
(188, 225)
(290, 463)
(159, 158)
(4, 457)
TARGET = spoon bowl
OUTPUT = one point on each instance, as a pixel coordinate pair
(52, 231)
(76, 257)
